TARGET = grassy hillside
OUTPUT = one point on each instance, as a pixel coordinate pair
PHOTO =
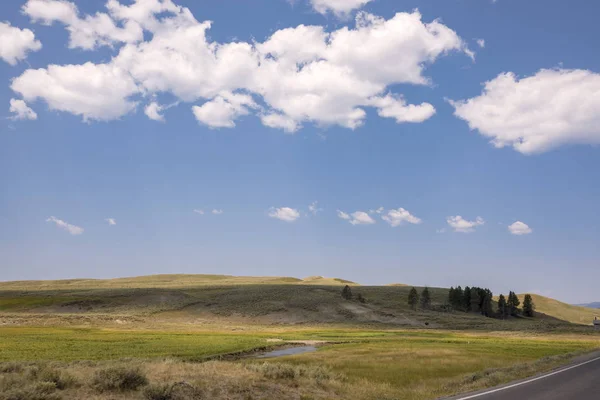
(261, 300)
(166, 281)
(563, 311)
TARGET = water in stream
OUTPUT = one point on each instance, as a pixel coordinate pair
(287, 352)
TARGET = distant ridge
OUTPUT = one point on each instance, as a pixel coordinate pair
(590, 305)
(166, 281)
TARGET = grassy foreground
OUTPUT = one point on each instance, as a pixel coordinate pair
(359, 363)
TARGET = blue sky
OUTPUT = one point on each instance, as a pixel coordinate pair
(279, 105)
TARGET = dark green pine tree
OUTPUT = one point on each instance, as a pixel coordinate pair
(502, 308)
(528, 306)
(347, 293)
(425, 299)
(513, 304)
(475, 300)
(452, 297)
(458, 292)
(413, 298)
(467, 299)
(486, 305)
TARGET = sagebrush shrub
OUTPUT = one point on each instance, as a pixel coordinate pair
(119, 379)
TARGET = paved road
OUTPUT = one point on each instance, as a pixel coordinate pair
(579, 381)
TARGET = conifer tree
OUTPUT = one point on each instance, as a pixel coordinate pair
(467, 299)
(528, 306)
(425, 299)
(475, 300)
(347, 293)
(502, 308)
(486, 305)
(413, 298)
(513, 304)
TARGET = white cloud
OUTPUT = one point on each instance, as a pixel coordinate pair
(94, 91)
(341, 8)
(21, 110)
(280, 121)
(343, 215)
(217, 212)
(400, 216)
(200, 212)
(72, 229)
(519, 228)
(223, 110)
(357, 218)
(377, 211)
(481, 43)
(284, 213)
(111, 221)
(396, 107)
(442, 230)
(88, 32)
(153, 111)
(314, 208)
(15, 43)
(459, 224)
(537, 113)
(300, 75)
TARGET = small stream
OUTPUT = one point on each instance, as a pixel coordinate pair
(290, 351)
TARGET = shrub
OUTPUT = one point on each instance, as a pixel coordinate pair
(171, 391)
(11, 367)
(159, 392)
(61, 379)
(119, 379)
(290, 371)
(23, 390)
(361, 298)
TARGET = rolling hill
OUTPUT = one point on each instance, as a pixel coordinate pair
(563, 311)
(167, 281)
(278, 300)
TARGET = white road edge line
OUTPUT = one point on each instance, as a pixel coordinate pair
(528, 381)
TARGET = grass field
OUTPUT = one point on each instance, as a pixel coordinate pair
(369, 364)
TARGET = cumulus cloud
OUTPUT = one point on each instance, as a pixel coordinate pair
(72, 229)
(111, 221)
(400, 216)
(93, 91)
(217, 211)
(356, 218)
(519, 228)
(537, 113)
(459, 224)
(284, 213)
(298, 75)
(90, 31)
(380, 210)
(15, 43)
(341, 8)
(481, 43)
(21, 110)
(153, 111)
(200, 212)
(223, 110)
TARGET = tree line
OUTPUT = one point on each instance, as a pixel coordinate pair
(470, 299)
(476, 300)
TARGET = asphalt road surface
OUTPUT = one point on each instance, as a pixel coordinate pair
(578, 381)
